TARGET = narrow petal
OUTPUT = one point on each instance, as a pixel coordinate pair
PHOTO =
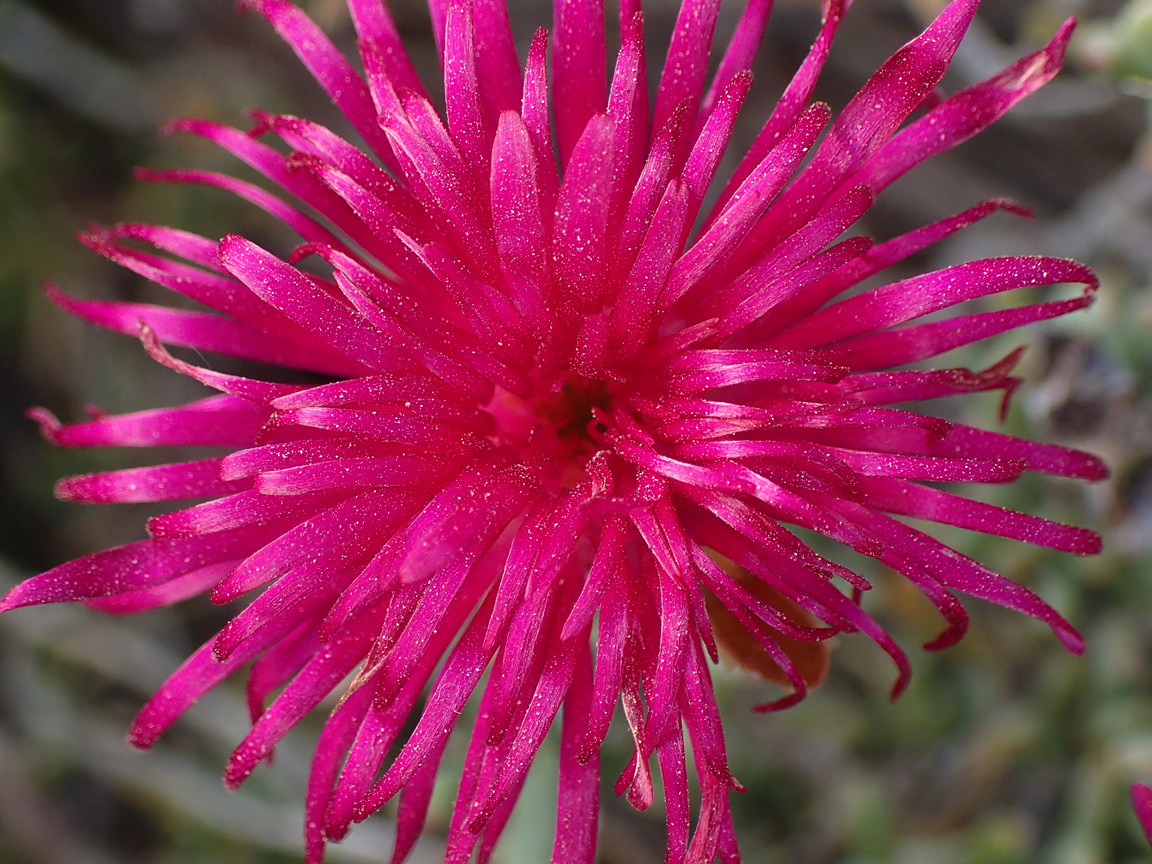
(219, 421)
(328, 66)
(923, 502)
(521, 239)
(199, 674)
(319, 677)
(579, 85)
(206, 332)
(634, 311)
(373, 22)
(275, 167)
(880, 257)
(333, 743)
(132, 567)
(462, 90)
(919, 342)
(866, 123)
(300, 299)
(305, 226)
(704, 158)
(497, 67)
(173, 591)
(140, 485)
(239, 511)
(628, 108)
(330, 571)
(793, 102)
(744, 208)
(250, 389)
(579, 784)
(674, 772)
(913, 298)
(739, 54)
(610, 648)
(328, 530)
(459, 677)
(537, 119)
(968, 112)
(683, 78)
(579, 234)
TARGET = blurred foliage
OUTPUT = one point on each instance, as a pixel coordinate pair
(1004, 750)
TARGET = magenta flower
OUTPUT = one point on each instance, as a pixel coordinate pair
(1141, 794)
(559, 396)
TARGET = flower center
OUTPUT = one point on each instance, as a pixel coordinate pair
(564, 422)
(574, 413)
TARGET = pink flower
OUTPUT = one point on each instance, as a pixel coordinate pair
(555, 396)
(1142, 804)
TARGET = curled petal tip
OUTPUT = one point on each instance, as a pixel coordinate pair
(304, 250)
(263, 122)
(1010, 205)
(728, 780)
(949, 637)
(49, 425)
(902, 680)
(156, 349)
(180, 124)
(780, 704)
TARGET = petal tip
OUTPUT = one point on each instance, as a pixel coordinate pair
(143, 735)
(50, 425)
(11, 600)
(70, 488)
(1069, 637)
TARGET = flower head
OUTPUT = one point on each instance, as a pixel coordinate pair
(567, 414)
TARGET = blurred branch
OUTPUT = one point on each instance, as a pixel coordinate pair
(28, 816)
(50, 723)
(1112, 218)
(35, 49)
